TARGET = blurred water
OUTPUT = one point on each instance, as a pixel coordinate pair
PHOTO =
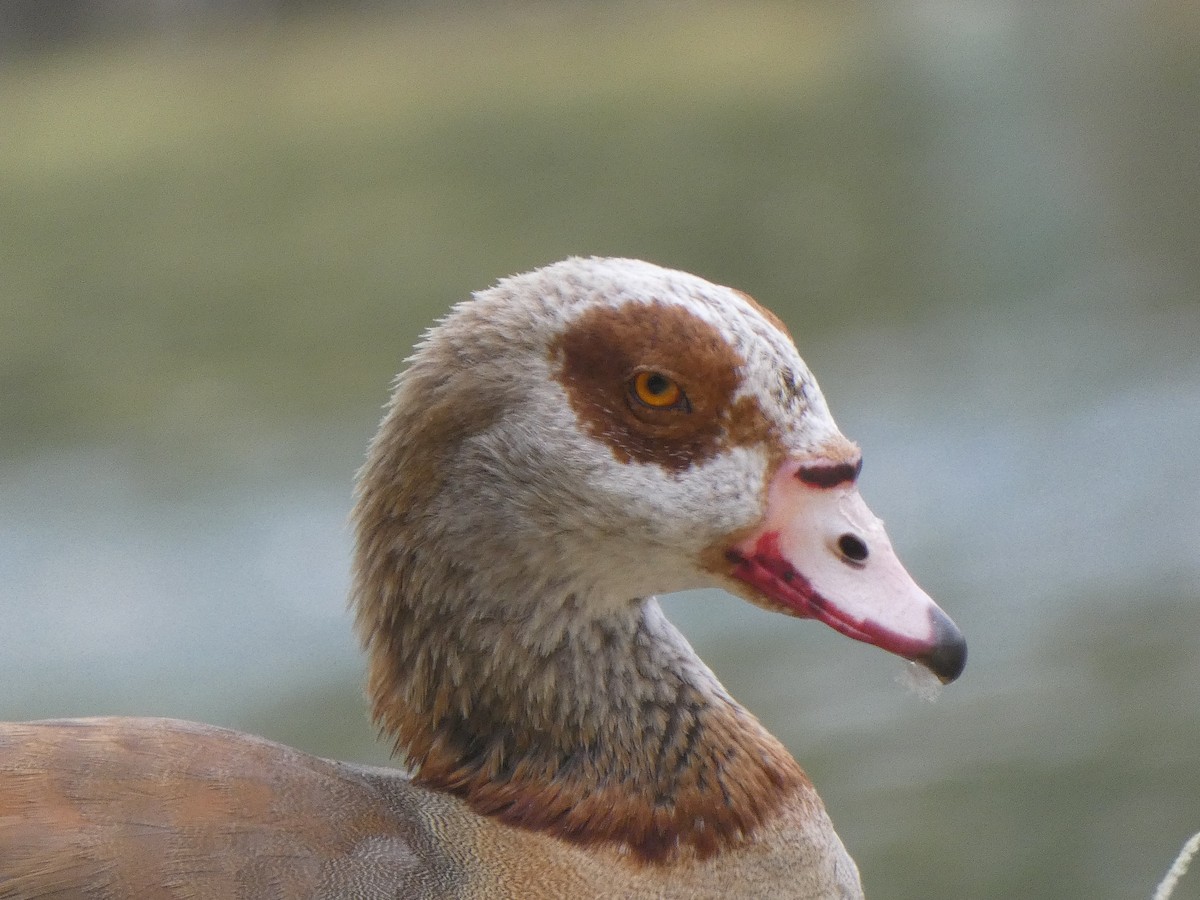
(1059, 526)
(1001, 301)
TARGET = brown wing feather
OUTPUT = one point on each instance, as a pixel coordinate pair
(120, 808)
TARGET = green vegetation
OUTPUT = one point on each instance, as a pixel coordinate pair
(259, 224)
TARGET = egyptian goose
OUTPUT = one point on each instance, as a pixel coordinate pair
(560, 447)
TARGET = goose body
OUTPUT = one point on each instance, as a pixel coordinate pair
(560, 448)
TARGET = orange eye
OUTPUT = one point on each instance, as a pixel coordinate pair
(658, 391)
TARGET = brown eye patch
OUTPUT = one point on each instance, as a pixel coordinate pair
(609, 355)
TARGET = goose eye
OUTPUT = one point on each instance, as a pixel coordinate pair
(658, 391)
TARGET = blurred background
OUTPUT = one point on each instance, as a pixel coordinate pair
(222, 226)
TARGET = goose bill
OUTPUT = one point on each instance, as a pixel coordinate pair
(822, 554)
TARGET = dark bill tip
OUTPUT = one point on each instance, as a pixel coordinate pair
(948, 657)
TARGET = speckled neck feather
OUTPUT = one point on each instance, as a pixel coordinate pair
(613, 735)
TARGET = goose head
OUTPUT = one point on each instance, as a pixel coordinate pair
(614, 429)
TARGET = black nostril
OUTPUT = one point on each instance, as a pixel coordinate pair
(852, 548)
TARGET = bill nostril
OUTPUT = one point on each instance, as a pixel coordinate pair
(852, 548)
